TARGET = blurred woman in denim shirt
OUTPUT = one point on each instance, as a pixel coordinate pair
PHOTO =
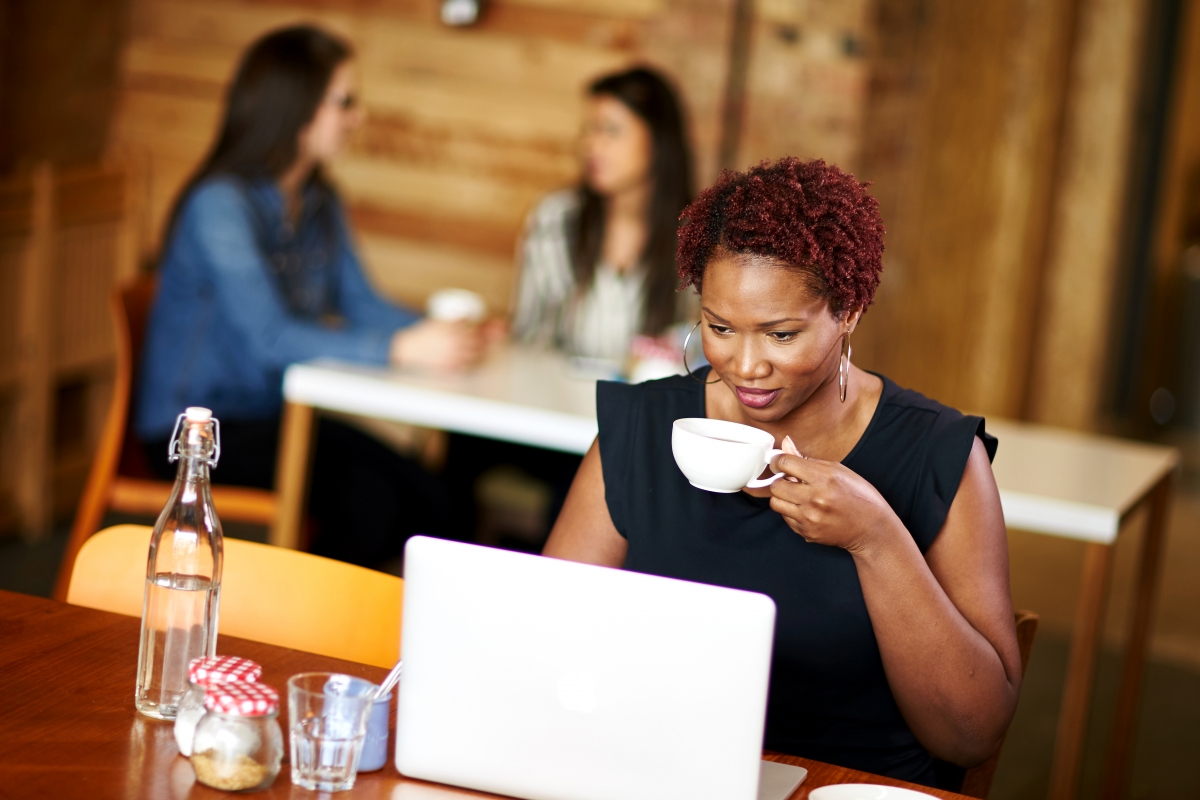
(258, 272)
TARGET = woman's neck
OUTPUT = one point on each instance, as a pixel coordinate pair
(291, 186)
(828, 427)
(626, 228)
(628, 204)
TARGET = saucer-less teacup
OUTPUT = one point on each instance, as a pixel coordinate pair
(720, 456)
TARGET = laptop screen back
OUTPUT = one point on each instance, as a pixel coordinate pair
(551, 680)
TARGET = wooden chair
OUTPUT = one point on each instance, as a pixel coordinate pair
(978, 780)
(66, 239)
(120, 479)
(25, 208)
(268, 594)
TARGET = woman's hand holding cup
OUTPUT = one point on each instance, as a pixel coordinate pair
(828, 503)
(437, 345)
(823, 501)
(451, 338)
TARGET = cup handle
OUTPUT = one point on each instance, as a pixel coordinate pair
(758, 484)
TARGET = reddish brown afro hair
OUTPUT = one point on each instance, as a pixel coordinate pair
(807, 214)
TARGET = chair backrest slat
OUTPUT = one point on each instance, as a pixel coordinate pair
(132, 305)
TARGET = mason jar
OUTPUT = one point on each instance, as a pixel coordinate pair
(202, 673)
(238, 744)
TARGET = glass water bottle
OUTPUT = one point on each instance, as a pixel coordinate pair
(183, 572)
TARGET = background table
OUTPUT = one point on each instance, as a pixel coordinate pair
(69, 729)
(517, 395)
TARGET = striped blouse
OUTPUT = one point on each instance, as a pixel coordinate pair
(597, 323)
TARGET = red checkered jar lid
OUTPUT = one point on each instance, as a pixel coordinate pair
(223, 669)
(242, 699)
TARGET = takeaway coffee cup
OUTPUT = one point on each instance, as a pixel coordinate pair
(456, 305)
(719, 456)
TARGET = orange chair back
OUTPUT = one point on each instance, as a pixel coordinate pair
(268, 594)
(131, 308)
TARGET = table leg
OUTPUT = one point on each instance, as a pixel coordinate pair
(1120, 747)
(291, 473)
(1081, 668)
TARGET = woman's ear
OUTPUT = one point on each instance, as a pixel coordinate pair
(852, 319)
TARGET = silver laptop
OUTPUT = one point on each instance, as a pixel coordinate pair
(550, 680)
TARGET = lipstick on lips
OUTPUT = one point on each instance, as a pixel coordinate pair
(756, 398)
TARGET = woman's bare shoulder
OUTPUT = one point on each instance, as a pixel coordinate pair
(584, 530)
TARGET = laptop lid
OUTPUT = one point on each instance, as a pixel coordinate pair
(551, 680)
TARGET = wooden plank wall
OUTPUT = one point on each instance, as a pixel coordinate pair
(1178, 223)
(997, 137)
(57, 61)
(961, 138)
(466, 129)
(807, 81)
(1070, 368)
(995, 133)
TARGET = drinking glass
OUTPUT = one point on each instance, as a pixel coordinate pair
(327, 721)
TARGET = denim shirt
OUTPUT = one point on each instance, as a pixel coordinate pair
(243, 293)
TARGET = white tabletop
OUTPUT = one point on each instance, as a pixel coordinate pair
(519, 395)
(1072, 484)
(1051, 481)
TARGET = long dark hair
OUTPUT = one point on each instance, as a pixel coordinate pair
(276, 92)
(647, 94)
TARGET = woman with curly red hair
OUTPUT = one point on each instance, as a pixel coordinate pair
(885, 552)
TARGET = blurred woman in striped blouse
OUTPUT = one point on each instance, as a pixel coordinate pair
(598, 260)
(597, 265)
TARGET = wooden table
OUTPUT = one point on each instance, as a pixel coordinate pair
(1053, 482)
(68, 727)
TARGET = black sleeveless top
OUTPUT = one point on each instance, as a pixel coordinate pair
(829, 698)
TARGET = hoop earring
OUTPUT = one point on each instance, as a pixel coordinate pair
(844, 366)
(687, 339)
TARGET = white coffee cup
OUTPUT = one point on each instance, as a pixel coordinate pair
(456, 305)
(719, 456)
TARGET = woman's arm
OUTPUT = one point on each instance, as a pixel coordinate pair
(360, 304)
(424, 343)
(944, 622)
(584, 530)
(216, 227)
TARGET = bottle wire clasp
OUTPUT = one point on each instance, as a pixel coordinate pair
(173, 445)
